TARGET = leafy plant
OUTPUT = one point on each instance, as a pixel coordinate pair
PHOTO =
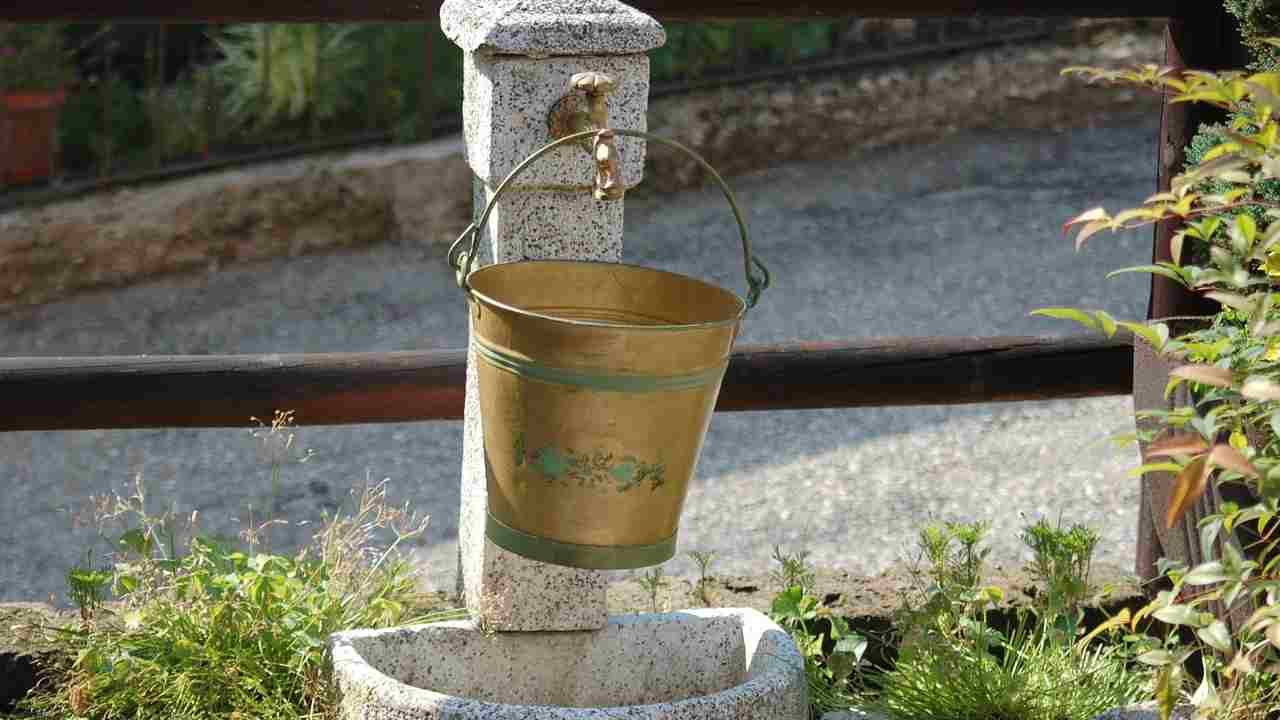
(1259, 20)
(87, 587)
(952, 665)
(793, 570)
(1062, 558)
(1227, 246)
(277, 73)
(653, 583)
(87, 138)
(33, 56)
(832, 652)
(702, 589)
(178, 128)
(212, 631)
(946, 602)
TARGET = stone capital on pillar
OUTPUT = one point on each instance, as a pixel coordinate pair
(518, 58)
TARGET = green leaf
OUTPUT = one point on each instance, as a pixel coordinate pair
(1079, 316)
(1156, 658)
(786, 604)
(1155, 467)
(1206, 574)
(1178, 615)
(1208, 533)
(1216, 636)
(1155, 335)
(1107, 323)
(1168, 689)
(855, 645)
(1154, 270)
(1242, 234)
(138, 541)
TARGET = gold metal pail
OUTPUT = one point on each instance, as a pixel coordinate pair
(597, 383)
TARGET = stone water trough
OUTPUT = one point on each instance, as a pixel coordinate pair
(689, 665)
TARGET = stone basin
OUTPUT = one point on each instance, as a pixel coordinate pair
(690, 665)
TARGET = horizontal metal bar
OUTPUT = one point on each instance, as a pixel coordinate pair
(85, 393)
(668, 10)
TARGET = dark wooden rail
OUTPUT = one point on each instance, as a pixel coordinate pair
(83, 393)
(668, 10)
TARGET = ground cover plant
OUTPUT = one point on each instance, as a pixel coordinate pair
(832, 652)
(959, 653)
(1223, 656)
(224, 628)
(954, 665)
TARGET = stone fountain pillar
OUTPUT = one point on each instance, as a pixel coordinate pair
(518, 58)
(695, 664)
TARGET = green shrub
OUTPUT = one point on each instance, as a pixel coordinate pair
(1259, 20)
(34, 56)
(277, 73)
(832, 652)
(87, 141)
(1223, 655)
(223, 631)
(952, 665)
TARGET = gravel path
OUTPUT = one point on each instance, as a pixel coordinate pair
(961, 237)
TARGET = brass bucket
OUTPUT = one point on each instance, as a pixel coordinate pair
(597, 383)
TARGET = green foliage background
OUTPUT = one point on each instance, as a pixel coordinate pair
(369, 77)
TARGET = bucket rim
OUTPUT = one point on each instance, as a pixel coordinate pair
(734, 320)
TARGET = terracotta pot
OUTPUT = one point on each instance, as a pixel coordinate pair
(28, 123)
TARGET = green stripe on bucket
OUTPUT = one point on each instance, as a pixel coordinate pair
(607, 382)
(590, 557)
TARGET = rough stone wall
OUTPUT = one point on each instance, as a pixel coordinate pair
(422, 193)
(419, 194)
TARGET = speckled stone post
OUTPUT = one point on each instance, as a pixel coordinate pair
(519, 56)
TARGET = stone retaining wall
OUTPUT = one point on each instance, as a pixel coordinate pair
(422, 193)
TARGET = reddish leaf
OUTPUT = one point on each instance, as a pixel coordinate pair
(1181, 444)
(1190, 486)
(1260, 388)
(1204, 374)
(1230, 458)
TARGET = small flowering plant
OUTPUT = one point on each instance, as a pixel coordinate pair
(34, 57)
(1227, 247)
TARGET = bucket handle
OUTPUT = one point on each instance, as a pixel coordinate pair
(461, 260)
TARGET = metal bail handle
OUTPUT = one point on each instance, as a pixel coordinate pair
(461, 260)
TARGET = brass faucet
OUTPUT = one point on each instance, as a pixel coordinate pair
(586, 107)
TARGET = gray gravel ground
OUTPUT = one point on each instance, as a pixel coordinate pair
(961, 237)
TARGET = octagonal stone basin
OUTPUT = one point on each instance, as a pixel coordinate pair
(691, 665)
